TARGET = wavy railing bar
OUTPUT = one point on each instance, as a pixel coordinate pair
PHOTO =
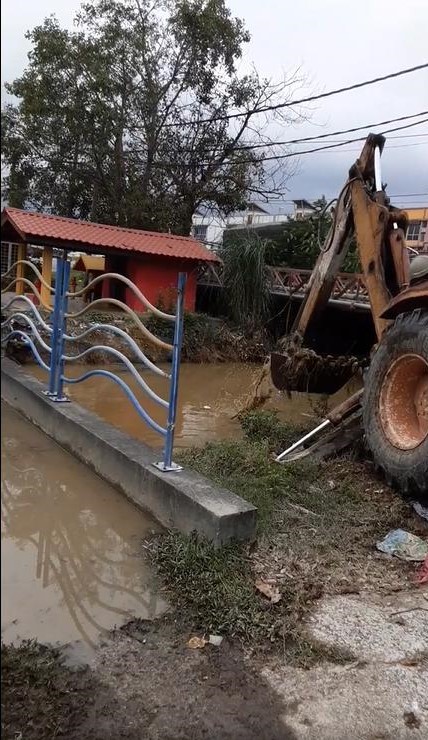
(23, 335)
(121, 333)
(30, 285)
(34, 268)
(137, 292)
(126, 389)
(32, 307)
(127, 310)
(33, 327)
(55, 328)
(115, 352)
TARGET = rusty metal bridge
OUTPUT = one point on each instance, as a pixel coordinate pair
(349, 290)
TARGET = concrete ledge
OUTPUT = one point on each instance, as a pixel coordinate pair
(184, 501)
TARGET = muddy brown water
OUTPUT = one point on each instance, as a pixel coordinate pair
(209, 397)
(71, 565)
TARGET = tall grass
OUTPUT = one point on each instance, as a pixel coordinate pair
(246, 291)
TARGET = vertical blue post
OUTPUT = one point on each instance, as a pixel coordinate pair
(65, 280)
(168, 465)
(52, 388)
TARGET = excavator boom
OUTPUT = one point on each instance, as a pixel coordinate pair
(392, 409)
(363, 211)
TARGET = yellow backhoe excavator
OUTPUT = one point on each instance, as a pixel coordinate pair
(394, 401)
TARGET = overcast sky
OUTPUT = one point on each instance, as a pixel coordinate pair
(335, 43)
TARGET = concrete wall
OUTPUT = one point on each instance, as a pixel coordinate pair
(183, 500)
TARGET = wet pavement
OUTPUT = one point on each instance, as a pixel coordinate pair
(71, 557)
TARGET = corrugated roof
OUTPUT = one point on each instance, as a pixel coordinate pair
(88, 262)
(60, 231)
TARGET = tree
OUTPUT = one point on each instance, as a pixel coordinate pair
(120, 121)
(297, 243)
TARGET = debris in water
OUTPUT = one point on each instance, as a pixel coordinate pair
(271, 591)
(404, 545)
(196, 642)
(261, 390)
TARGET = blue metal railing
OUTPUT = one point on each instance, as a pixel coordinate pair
(56, 333)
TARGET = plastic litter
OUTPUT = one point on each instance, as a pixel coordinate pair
(421, 510)
(404, 545)
(215, 640)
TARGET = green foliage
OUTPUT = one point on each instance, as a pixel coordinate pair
(199, 330)
(297, 243)
(247, 469)
(246, 292)
(43, 697)
(316, 526)
(265, 426)
(100, 129)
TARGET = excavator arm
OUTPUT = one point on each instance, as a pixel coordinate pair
(392, 409)
(362, 210)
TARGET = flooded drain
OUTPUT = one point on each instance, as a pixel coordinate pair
(70, 547)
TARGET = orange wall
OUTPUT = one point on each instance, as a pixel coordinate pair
(417, 214)
(157, 277)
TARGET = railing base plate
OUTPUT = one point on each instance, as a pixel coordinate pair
(173, 468)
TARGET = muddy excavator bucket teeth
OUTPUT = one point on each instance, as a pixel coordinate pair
(310, 373)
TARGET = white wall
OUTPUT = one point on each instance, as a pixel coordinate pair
(213, 226)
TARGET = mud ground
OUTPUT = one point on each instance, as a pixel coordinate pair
(144, 682)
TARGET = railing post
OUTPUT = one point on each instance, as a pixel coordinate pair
(53, 374)
(167, 465)
(62, 278)
(65, 281)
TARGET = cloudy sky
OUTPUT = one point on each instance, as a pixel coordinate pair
(335, 43)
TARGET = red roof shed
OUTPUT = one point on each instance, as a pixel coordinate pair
(151, 259)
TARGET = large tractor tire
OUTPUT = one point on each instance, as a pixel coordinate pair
(395, 405)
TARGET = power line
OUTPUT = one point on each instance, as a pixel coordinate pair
(307, 151)
(394, 146)
(337, 141)
(290, 103)
(329, 147)
(409, 195)
(331, 133)
(408, 136)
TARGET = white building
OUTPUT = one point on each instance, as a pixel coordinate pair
(303, 209)
(209, 227)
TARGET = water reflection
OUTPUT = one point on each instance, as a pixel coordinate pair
(71, 566)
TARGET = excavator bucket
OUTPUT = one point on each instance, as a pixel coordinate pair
(295, 367)
(308, 372)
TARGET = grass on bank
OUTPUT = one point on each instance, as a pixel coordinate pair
(41, 698)
(317, 530)
(204, 339)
